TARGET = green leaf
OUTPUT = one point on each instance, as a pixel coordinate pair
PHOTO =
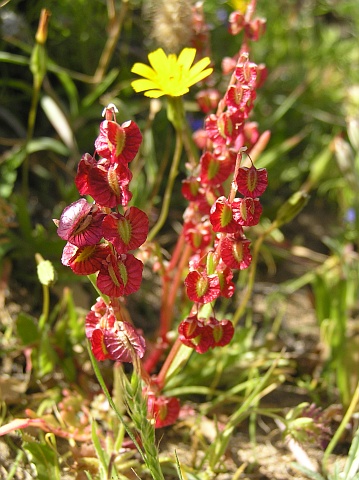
(291, 208)
(9, 170)
(58, 120)
(319, 166)
(101, 454)
(309, 473)
(46, 356)
(44, 459)
(100, 89)
(27, 329)
(47, 143)
(179, 361)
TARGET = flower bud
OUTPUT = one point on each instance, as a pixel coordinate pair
(41, 34)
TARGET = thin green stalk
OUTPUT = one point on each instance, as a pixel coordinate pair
(93, 277)
(111, 402)
(45, 307)
(252, 274)
(137, 411)
(169, 187)
(220, 445)
(116, 20)
(15, 464)
(38, 67)
(341, 428)
(30, 133)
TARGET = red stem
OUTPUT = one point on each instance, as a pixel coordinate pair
(168, 362)
(169, 292)
(176, 254)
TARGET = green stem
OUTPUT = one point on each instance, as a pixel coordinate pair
(341, 428)
(101, 381)
(169, 187)
(45, 307)
(252, 274)
(15, 465)
(114, 30)
(161, 378)
(30, 134)
(93, 278)
(219, 447)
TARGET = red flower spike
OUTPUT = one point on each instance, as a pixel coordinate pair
(80, 224)
(228, 65)
(98, 346)
(84, 167)
(107, 183)
(99, 317)
(262, 74)
(200, 138)
(124, 342)
(222, 331)
(236, 22)
(209, 196)
(222, 130)
(252, 181)
(248, 137)
(195, 334)
(208, 99)
(246, 211)
(100, 307)
(240, 97)
(198, 234)
(84, 260)
(236, 253)
(221, 216)
(191, 327)
(191, 189)
(120, 275)
(91, 323)
(227, 287)
(202, 288)
(126, 232)
(215, 170)
(256, 28)
(118, 143)
(246, 72)
(164, 410)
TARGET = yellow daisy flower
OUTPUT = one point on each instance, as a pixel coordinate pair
(239, 5)
(170, 75)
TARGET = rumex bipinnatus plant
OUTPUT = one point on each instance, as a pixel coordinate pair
(223, 189)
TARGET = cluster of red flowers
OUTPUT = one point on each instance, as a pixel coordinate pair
(253, 28)
(214, 223)
(101, 235)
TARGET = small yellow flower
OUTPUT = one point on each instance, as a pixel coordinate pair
(239, 5)
(170, 75)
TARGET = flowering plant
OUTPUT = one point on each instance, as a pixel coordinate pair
(167, 217)
(102, 235)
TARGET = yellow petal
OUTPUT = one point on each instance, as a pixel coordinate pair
(199, 66)
(200, 76)
(186, 57)
(158, 60)
(170, 75)
(143, 70)
(154, 93)
(141, 84)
